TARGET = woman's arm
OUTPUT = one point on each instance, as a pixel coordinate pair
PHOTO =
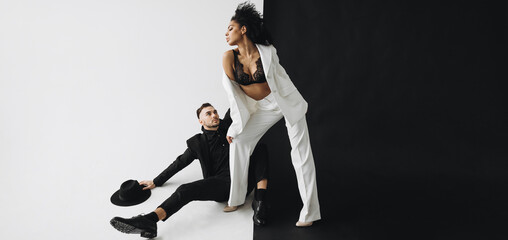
(227, 64)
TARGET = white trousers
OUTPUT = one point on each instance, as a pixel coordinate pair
(267, 114)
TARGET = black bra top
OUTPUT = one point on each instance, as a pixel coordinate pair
(243, 78)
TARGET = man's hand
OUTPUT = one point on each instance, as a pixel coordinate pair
(148, 183)
(230, 139)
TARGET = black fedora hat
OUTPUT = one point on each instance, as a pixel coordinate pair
(130, 193)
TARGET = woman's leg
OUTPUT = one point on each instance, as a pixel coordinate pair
(242, 147)
(303, 162)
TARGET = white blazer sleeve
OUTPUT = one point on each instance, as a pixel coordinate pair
(239, 105)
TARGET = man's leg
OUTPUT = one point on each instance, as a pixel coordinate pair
(258, 168)
(258, 178)
(161, 214)
(214, 188)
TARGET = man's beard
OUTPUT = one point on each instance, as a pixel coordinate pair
(212, 126)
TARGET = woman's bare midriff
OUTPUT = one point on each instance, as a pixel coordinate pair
(256, 91)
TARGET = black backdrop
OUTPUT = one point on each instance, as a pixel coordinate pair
(407, 118)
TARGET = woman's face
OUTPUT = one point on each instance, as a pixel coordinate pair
(234, 33)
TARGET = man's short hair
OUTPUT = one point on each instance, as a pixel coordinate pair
(204, 105)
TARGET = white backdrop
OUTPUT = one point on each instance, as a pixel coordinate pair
(93, 93)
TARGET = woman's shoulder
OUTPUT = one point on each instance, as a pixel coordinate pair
(228, 55)
(230, 52)
(228, 60)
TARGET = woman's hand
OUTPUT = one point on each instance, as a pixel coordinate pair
(230, 139)
(148, 183)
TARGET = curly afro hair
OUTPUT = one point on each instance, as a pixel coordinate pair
(246, 15)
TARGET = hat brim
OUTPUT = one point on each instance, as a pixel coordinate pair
(115, 199)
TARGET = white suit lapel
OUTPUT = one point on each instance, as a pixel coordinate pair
(265, 53)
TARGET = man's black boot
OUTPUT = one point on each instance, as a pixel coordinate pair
(139, 224)
(259, 208)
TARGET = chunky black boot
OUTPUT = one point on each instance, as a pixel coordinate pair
(139, 224)
(259, 208)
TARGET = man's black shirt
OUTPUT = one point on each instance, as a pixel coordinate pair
(218, 148)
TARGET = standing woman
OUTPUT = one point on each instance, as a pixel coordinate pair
(260, 93)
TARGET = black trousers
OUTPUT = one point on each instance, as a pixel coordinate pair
(216, 188)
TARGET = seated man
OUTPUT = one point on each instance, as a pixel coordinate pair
(212, 150)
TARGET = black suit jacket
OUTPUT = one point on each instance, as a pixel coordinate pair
(197, 148)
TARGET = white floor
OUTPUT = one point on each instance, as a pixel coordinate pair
(45, 204)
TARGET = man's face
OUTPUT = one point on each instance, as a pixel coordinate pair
(209, 118)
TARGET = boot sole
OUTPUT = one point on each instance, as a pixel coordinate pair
(126, 228)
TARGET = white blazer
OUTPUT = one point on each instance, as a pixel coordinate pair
(290, 101)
